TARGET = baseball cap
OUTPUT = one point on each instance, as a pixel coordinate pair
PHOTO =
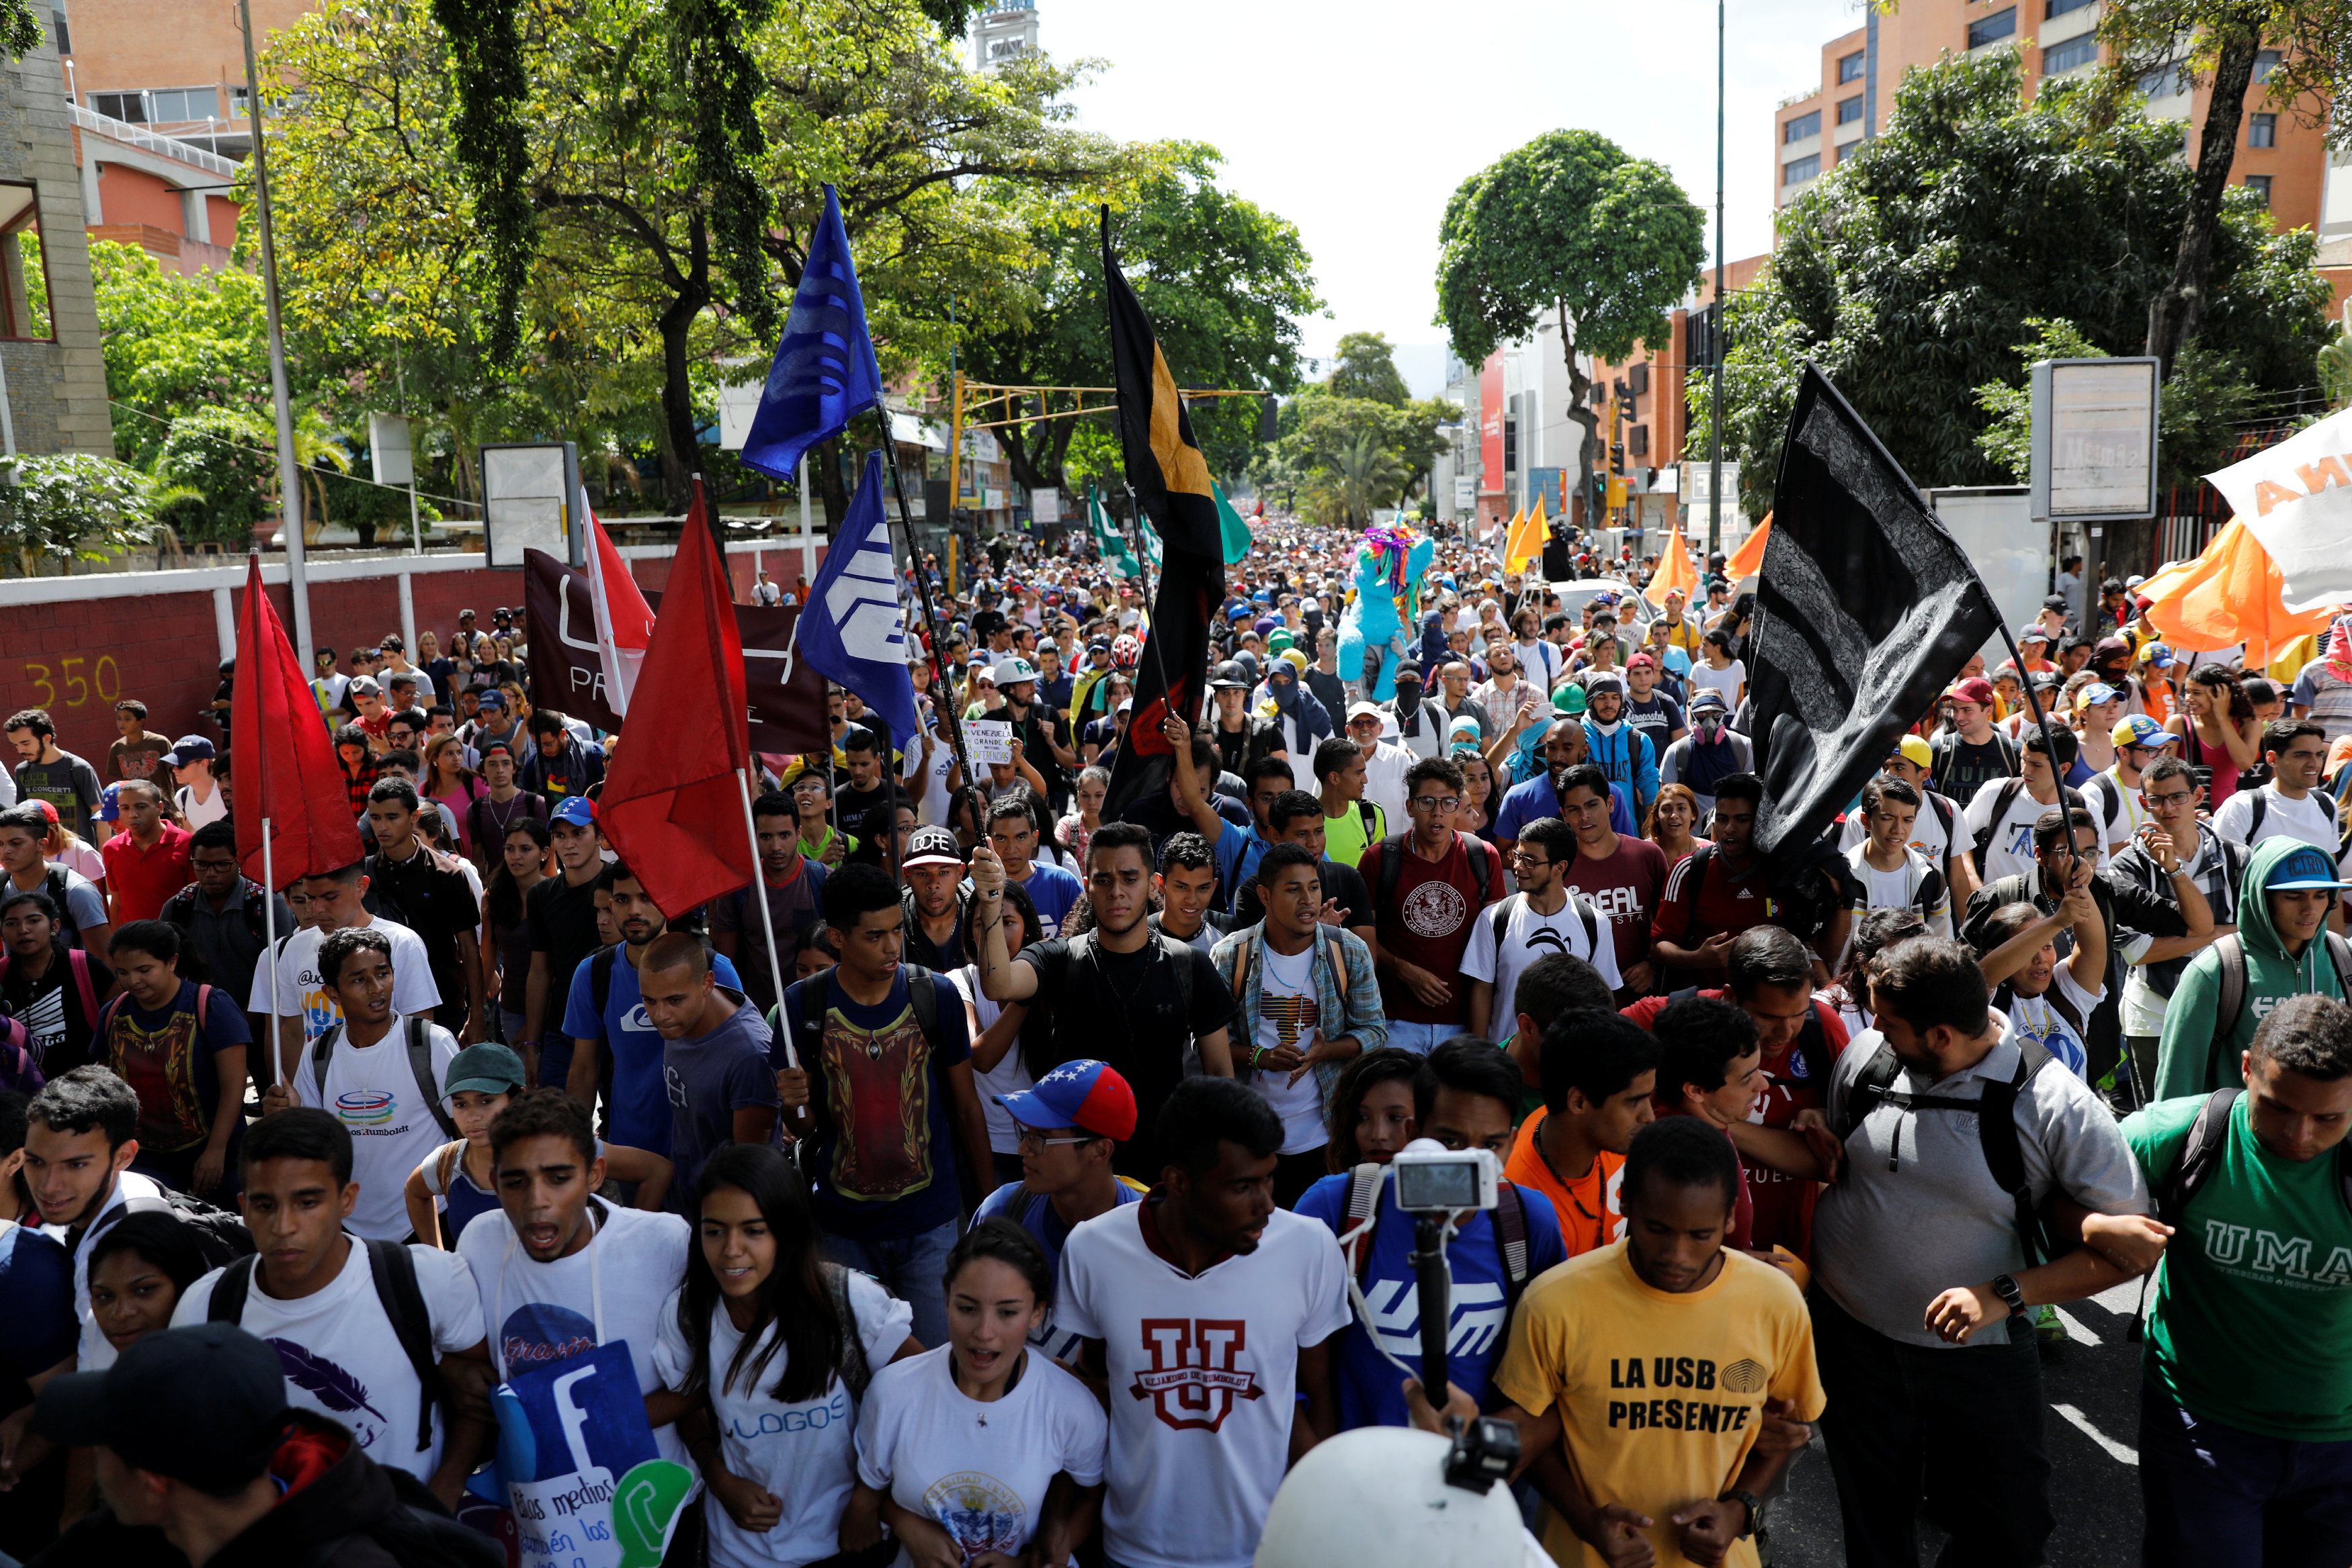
(1975, 689)
(2055, 601)
(1089, 1095)
(2158, 655)
(1016, 668)
(47, 811)
(1409, 672)
(485, 1068)
(933, 846)
(205, 1405)
(365, 687)
(2140, 730)
(1363, 710)
(1229, 678)
(2033, 634)
(2303, 868)
(1914, 748)
(576, 809)
(1708, 697)
(190, 748)
(1126, 704)
(2110, 648)
(2095, 694)
(1641, 661)
(493, 697)
(2044, 680)
(109, 809)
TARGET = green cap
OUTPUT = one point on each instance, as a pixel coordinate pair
(486, 1069)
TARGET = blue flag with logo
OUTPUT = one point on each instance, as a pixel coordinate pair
(853, 628)
(824, 370)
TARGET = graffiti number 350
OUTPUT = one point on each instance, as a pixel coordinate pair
(104, 680)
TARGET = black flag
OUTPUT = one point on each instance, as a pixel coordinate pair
(1865, 610)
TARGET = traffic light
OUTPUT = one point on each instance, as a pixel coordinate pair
(1617, 456)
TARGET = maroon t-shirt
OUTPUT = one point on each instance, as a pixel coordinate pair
(1726, 901)
(1625, 888)
(1427, 920)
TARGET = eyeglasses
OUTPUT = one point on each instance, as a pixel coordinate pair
(1028, 1140)
(2172, 796)
(1435, 802)
(1522, 857)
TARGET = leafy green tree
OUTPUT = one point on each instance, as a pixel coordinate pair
(1568, 226)
(2196, 419)
(1911, 273)
(175, 343)
(1223, 279)
(629, 254)
(75, 506)
(1322, 445)
(1363, 475)
(1364, 365)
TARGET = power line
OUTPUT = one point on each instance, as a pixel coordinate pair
(313, 467)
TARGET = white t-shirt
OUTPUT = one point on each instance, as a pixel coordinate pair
(980, 1471)
(1914, 885)
(200, 812)
(1009, 1076)
(372, 1091)
(1727, 680)
(301, 992)
(804, 1451)
(1384, 778)
(611, 1290)
(931, 807)
(2281, 818)
(1203, 1377)
(1289, 1013)
(341, 1356)
(2011, 849)
(2034, 1018)
(1928, 835)
(95, 1352)
(1528, 936)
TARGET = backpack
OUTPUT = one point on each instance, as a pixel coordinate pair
(817, 994)
(2258, 807)
(417, 1533)
(394, 1271)
(1699, 858)
(856, 1372)
(1510, 1231)
(1393, 863)
(180, 909)
(221, 1237)
(114, 1009)
(1501, 920)
(1948, 816)
(1940, 775)
(1996, 1115)
(2000, 805)
(2230, 1004)
(1242, 962)
(420, 1064)
(77, 964)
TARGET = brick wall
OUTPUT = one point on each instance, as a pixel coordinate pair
(77, 657)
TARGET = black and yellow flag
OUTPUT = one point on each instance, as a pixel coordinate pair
(1163, 461)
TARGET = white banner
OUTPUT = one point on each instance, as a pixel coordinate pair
(989, 740)
(2296, 498)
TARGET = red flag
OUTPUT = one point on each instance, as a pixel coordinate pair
(281, 759)
(671, 805)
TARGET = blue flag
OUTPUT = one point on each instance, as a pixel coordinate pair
(824, 370)
(853, 628)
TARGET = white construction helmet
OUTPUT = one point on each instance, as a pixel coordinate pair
(1379, 1496)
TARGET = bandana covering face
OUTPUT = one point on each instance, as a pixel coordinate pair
(2339, 650)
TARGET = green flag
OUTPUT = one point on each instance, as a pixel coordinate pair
(1108, 539)
(1236, 531)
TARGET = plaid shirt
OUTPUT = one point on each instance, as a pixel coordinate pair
(357, 784)
(1357, 1013)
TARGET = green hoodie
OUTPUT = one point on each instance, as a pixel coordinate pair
(2185, 1063)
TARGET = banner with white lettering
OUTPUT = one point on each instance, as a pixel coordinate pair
(588, 1488)
(2296, 498)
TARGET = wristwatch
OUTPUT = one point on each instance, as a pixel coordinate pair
(2007, 1289)
(1754, 1504)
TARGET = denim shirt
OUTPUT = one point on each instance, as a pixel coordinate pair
(1359, 1010)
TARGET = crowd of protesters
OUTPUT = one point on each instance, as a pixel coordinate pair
(1042, 1209)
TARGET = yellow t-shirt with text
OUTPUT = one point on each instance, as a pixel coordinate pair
(1659, 1395)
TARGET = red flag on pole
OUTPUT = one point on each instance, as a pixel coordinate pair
(282, 760)
(671, 801)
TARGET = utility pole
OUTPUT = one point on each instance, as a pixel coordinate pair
(290, 472)
(1715, 401)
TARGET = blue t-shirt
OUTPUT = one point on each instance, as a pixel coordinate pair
(640, 1107)
(881, 1164)
(1370, 1390)
(1053, 891)
(37, 1302)
(709, 1078)
(1535, 799)
(1033, 1212)
(1238, 851)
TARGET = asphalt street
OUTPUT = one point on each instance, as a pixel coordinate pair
(2091, 1388)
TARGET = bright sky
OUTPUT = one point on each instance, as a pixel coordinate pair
(1358, 120)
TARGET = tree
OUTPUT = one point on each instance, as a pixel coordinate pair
(630, 258)
(1568, 227)
(1223, 279)
(173, 344)
(1364, 474)
(1914, 271)
(75, 506)
(1322, 444)
(1364, 366)
(2197, 418)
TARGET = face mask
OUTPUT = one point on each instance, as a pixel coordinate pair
(1708, 727)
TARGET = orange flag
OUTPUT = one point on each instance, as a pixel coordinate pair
(2231, 593)
(1749, 561)
(1675, 571)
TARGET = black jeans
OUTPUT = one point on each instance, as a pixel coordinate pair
(2219, 1497)
(1957, 1430)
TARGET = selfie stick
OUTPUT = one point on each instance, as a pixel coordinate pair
(1436, 1307)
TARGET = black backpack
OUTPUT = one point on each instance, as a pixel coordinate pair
(2230, 1002)
(1392, 864)
(2261, 808)
(394, 1274)
(1996, 1115)
(417, 1533)
(816, 996)
(420, 1064)
(221, 1237)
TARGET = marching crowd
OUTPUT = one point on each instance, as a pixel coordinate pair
(1045, 1213)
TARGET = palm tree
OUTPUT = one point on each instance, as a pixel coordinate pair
(1364, 474)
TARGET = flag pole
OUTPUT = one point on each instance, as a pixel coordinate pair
(954, 721)
(1150, 632)
(767, 918)
(270, 930)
